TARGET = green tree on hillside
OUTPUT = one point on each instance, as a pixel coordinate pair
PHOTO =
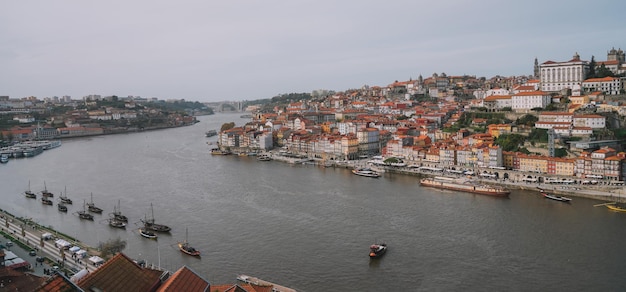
(603, 71)
(227, 126)
(592, 68)
(527, 120)
(510, 142)
(538, 135)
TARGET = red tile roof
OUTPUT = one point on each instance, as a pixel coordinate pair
(57, 284)
(184, 280)
(120, 273)
(604, 79)
(239, 288)
(531, 93)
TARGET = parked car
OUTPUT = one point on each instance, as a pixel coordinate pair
(9, 243)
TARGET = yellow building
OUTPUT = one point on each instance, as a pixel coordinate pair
(497, 129)
(533, 163)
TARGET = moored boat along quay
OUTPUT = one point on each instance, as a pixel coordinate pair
(597, 192)
(605, 192)
(28, 149)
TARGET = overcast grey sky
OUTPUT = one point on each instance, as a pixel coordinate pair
(252, 49)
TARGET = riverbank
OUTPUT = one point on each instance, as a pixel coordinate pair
(606, 193)
(598, 192)
(28, 236)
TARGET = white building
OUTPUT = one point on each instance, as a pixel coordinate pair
(608, 85)
(497, 102)
(496, 91)
(525, 101)
(555, 76)
(591, 121)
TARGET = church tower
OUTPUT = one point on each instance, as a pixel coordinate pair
(536, 71)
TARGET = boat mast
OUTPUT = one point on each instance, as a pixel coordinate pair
(152, 210)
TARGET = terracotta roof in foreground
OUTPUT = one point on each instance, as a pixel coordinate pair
(120, 273)
(57, 284)
(186, 280)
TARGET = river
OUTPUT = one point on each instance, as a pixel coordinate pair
(309, 227)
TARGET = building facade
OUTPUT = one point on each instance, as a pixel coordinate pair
(556, 76)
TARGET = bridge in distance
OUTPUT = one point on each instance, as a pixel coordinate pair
(225, 106)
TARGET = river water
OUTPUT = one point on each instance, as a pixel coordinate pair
(309, 227)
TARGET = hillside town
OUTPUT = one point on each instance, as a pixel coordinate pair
(417, 121)
(440, 122)
(32, 118)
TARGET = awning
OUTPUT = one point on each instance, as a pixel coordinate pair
(62, 243)
(9, 255)
(16, 263)
(96, 260)
(81, 253)
(79, 275)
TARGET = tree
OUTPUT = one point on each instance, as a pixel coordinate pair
(528, 120)
(227, 126)
(112, 246)
(551, 107)
(510, 142)
(603, 71)
(592, 68)
(391, 160)
(560, 152)
(538, 135)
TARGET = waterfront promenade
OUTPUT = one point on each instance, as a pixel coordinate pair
(602, 191)
(29, 235)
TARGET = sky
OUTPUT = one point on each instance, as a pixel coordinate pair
(250, 49)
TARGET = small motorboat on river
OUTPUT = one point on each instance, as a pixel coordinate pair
(147, 233)
(377, 250)
(62, 207)
(116, 223)
(210, 133)
(615, 207)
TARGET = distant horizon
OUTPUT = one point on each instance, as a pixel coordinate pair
(219, 51)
